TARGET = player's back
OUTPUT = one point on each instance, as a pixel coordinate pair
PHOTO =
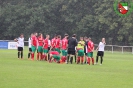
(40, 41)
(80, 45)
(34, 39)
(58, 41)
(90, 46)
(45, 43)
(72, 43)
(53, 42)
(54, 53)
(64, 43)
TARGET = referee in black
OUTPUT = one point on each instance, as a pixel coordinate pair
(72, 43)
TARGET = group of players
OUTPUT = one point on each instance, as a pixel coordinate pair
(61, 50)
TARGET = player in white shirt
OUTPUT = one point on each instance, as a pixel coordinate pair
(29, 44)
(20, 45)
(100, 50)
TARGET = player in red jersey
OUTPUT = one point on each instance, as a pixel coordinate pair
(90, 51)
(45, 47)
(64, 48)
(58, 44)
(54, 55)
(34, 45)
(53, 42)
(40, 45)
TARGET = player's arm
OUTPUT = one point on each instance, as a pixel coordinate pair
(89, 47)
(79, 42)
(76, 46)
(60, 44)
(76, 42)
(49, 43)
(52, 45)
(51, 48)
(83, 44)
(51, 57)
(55, 43)
(29, 40)
(37, 43)
(76, 49)
(32, 41)
(93, 48)
(15, 39)
(67, 44)
(97, 48)
(22, 43)
(44, 43)
(104, 43)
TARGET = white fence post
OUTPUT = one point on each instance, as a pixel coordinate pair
(132, 50)
(122, 49)
(112, 48)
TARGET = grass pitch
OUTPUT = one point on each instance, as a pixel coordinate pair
(116, 72)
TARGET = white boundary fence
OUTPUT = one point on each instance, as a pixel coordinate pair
(8, 44)
(121, 48)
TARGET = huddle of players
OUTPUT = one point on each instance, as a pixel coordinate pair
(50, 50)
(46, 49)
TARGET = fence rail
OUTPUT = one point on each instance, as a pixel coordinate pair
(111, 48)
(122, 48)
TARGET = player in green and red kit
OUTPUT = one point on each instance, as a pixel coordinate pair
(58, 44)
(34, 43)
(64, 48)
(90, 51)
(40, 46)
(54, 55)
(45, 47)
(53, 42)
(80, 50)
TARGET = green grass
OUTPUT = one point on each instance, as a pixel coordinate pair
(116, 72)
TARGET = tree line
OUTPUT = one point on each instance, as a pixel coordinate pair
(94, 18)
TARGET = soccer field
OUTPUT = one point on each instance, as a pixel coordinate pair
(116, 72)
